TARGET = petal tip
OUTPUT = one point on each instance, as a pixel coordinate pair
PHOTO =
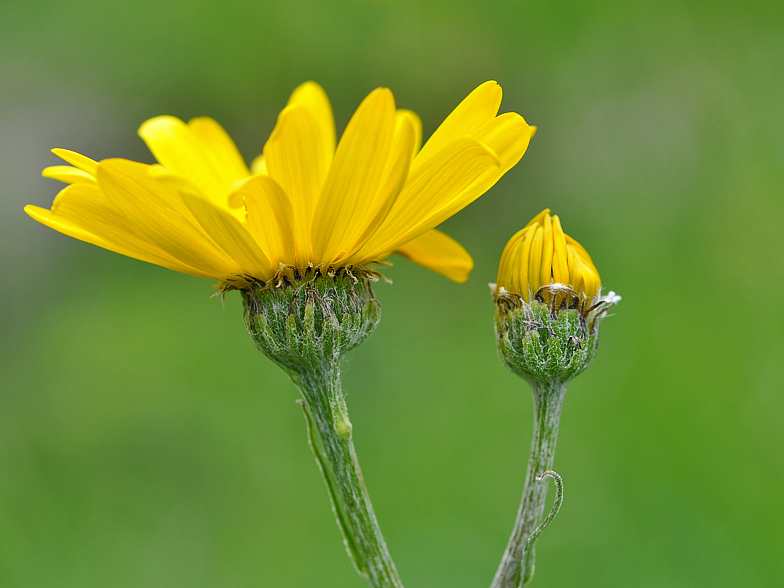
(461, 275)
(310, 85)
(490, 86)
(382, 93)
(158, 122)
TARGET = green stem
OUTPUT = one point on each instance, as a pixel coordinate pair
(329, 433)
(517, 564)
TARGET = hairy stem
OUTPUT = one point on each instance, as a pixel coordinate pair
(329, 433)
(517, 564)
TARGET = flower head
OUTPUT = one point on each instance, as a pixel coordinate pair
(541, 262)
(549, 303)
(304, 203)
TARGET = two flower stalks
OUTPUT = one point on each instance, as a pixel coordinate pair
(306, 325)
(299, 232)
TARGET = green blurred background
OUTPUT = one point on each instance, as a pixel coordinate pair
(145, 442)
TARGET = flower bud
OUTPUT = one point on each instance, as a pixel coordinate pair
(549, 303)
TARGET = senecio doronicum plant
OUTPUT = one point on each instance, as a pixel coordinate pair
(300, 235)
(548, 310)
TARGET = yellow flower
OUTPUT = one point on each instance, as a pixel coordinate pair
(541, 262)
(304, 203)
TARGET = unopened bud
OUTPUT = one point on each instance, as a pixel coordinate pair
(548, 303)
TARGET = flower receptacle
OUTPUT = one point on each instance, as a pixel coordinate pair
(311, 320)
(544, 342)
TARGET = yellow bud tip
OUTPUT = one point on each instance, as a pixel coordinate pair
(542, 263)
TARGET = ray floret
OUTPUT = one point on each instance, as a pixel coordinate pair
(306, 202)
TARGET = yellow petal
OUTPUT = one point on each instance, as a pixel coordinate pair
(230, 235)
(394, 178)
(538, 219)
(560, 253)
(569, 266)
(520, 267)
(87, 207)
(584, 267)
(590, 279)
(535, 260)
(479, 107)
(412, 118)
(579, 249)
(433, 193)
(440, 253)
(258, 166)
(174, 181)
(45, 217)
(508, 136)
(296, 161)
(523, 285)
(124, 244)
(505, 266)
(314, 99)
(518, 275)
(68, 174)
(221, 148)
(546, 275)
(157, 211)
(78, 160)
(200, 151)
(576, 276)
(355, 176)
(269, 221)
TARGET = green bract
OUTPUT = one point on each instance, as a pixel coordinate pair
(311, 320)
(539, 342)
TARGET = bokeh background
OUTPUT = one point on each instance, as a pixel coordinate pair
(145, 442)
